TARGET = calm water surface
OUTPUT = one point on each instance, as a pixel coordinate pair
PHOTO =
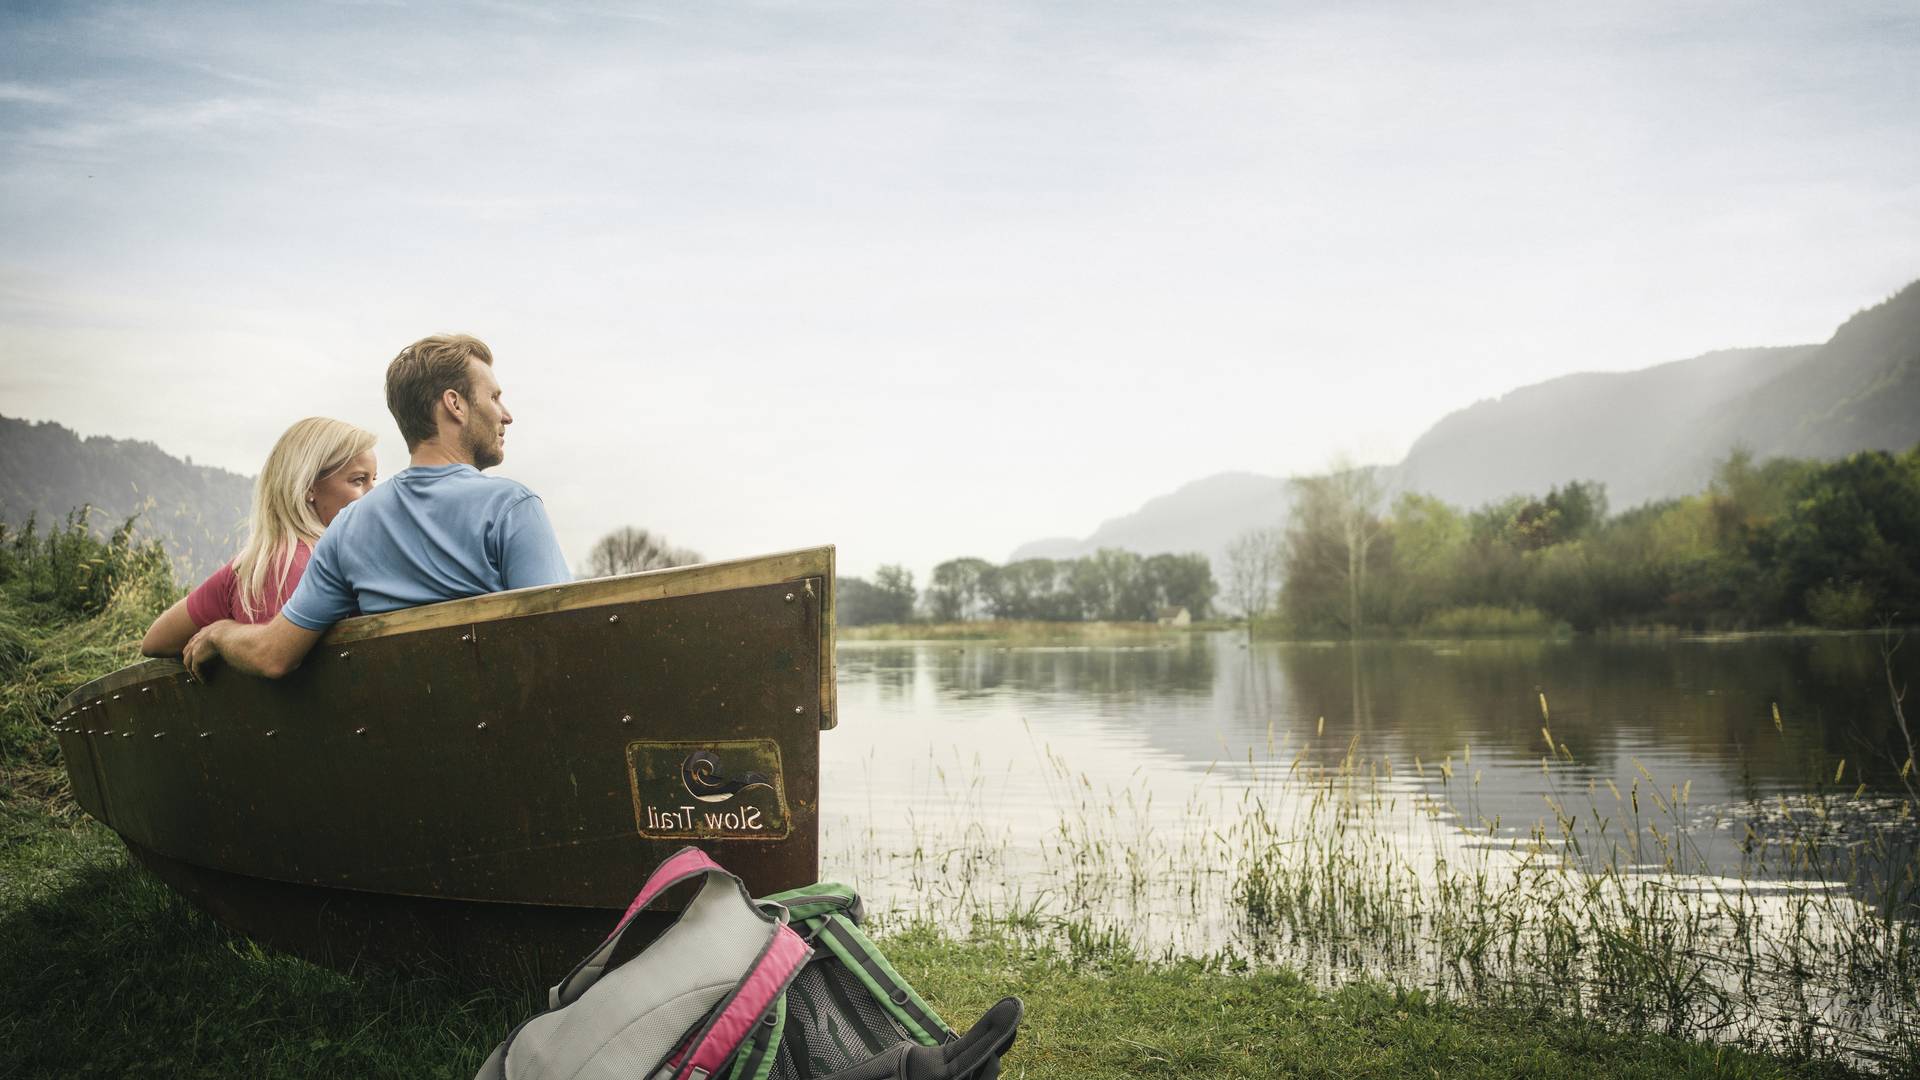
(987, 776)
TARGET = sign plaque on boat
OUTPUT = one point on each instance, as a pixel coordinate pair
(731, 788)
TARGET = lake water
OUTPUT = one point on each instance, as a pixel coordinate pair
(1112, 788)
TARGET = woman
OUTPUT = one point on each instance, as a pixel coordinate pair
(315, 470)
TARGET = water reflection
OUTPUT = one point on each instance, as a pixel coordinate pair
(1156, 790)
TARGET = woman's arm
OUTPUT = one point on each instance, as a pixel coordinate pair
(170, 632)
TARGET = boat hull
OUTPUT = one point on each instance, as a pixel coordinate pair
(485, 781)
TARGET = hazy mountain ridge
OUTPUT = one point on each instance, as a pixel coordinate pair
(197, 511)
(1860, 391)
(1648, 434)
(1201, 516)
(1630, 429)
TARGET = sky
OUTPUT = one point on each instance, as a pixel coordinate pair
(924, 280)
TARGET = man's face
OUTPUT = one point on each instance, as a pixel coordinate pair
(485, 433)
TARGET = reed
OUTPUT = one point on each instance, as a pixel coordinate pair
(1347, 867)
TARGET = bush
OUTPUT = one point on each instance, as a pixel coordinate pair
(73, 607)
(1483, 620)
(1845, 605)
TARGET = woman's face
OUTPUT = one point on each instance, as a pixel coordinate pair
(334, 491)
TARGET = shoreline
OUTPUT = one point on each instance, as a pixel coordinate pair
(1034, 631)
(192, 999)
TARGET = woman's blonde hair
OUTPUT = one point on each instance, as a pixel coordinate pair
(310, 451)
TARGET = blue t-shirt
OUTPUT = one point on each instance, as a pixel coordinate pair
(428, 534)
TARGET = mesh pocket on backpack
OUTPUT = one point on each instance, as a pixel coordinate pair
(833, 1023)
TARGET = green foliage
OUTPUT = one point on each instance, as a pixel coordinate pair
(72, 608)
(1841, 606)
(956, 592)
(886, 599)
(1484, 621)
(1779, 542)
(1111, 585)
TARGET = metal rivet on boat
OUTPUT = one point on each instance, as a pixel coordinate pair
(146, 689)
(116, 697)
(271, 733)
(204, 734)
(481, 726)
(344, 655)
(798, 709)
(157, 734)
(126, 734)
(466, 637)
(613, 618)
(626, 719)
(359, 731)
(789, 598)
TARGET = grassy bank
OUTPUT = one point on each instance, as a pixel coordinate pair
(106, 973)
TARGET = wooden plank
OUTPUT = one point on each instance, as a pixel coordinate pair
(781, 568)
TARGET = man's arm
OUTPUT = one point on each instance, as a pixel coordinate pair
(530, 553)
(270, 650)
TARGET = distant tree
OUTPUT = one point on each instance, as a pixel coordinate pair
(1110, 584)
(1429, 541)
(1032, 589)
(954, 594)
(886, 599)
(895, 583)
(1253, 570)
(1176, 581)
(1330, 542)
(628, 550)
(1853, 534)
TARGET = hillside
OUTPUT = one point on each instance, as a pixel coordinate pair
(1648, 434)
(1636, 431)
(198, 512)
(1203, 516)
(1859, 391)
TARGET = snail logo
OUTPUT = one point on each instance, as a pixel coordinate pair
(712, 789)
(700, 774)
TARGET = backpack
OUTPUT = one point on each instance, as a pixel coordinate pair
(783, 988)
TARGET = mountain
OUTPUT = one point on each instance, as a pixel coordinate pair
(1860, 391)
(1203, 516)
(199, 513)
(1648, 434)
(1637, 431)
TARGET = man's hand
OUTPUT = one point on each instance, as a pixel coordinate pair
(203, 648)
(269, 650)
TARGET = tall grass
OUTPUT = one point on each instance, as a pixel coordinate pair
(73, 606)
(1345, 866)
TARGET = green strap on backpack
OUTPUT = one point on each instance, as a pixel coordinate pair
(848, 1003)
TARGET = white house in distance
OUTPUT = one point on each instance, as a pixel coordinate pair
(1174, 616)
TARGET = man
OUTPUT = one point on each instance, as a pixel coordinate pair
(437, 530)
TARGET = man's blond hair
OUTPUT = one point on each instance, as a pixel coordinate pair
(422, 372)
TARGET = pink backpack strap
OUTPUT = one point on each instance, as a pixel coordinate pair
(682, 865)
(749, 1003)
(686, 863)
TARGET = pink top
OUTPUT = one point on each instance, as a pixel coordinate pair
(218, 597)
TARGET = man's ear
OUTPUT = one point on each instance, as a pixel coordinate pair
(455, 405)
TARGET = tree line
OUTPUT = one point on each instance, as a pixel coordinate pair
(1784, 541)
(1110, 585)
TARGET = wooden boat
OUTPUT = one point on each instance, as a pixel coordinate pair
(486, 780)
